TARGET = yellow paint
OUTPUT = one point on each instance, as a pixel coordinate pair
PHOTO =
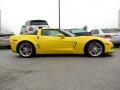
(58, 45)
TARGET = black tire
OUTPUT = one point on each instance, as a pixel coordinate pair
(94, 49)
(117, 46)
(26, 49)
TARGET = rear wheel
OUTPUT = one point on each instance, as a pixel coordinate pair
(117, 46)
(94, 49)
(26, 49)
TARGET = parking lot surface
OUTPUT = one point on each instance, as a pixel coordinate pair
(59, 72)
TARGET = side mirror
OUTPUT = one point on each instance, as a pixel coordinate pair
(61, 35)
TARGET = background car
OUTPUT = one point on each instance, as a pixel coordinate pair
(112, 35)
(33, 25)
(5, 38)
(59, 41)
(79, 32)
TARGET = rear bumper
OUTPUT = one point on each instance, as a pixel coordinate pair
(13, 48)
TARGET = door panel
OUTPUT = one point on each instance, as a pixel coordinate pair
(54, 44)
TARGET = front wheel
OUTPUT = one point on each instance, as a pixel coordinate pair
(94, 49)
(26, 49)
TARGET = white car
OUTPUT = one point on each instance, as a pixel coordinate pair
(112, 35)
(33, 25)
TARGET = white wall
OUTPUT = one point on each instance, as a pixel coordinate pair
(74, 13)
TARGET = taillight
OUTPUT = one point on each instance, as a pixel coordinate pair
(30, 29)
(107, 36)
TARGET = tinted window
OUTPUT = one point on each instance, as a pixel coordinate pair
(38, 22)
(110, 31)
(67, 33)
(50, 32)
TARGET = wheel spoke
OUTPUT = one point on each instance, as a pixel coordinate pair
(25, 49)
(95, 49)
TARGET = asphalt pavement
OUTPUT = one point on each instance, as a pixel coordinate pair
(59, 72)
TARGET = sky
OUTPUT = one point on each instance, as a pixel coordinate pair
(74, 13)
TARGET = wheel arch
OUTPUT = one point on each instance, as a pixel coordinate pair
(85, 47)
(25, 41)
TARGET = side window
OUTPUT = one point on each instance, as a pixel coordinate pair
(50, 32)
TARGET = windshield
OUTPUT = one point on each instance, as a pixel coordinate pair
(38, 22)
(110, 30)
(67, 33)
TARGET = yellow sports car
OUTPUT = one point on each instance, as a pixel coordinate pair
(59, 41)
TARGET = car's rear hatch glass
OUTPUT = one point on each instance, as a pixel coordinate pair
(38, 22)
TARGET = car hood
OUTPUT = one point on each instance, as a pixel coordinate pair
(89, 38)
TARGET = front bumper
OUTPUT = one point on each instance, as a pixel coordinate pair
(109, 47)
